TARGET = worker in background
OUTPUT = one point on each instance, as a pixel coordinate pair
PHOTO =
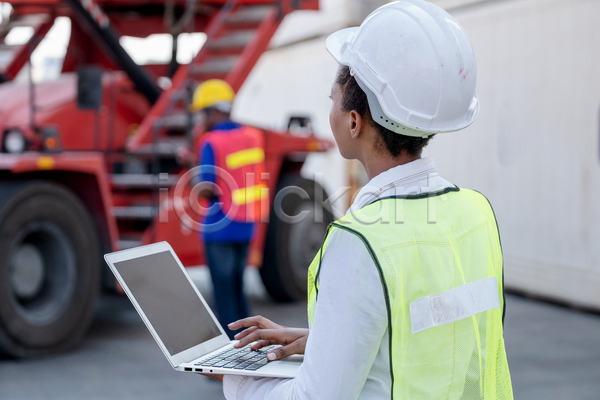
(231, 157)
(406, 294)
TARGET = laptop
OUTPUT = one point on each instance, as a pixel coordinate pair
(181, 321)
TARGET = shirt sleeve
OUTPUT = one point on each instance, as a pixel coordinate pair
(207, 160)
(349, 323)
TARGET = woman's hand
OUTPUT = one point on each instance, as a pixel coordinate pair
(265, 332)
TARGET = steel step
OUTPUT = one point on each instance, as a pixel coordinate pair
(28, 20)
(179, 95)
(162, 149)
(135, 212)
(248, 15)
(177, 121)
(215, 65)
(232, 40)
(142, 181)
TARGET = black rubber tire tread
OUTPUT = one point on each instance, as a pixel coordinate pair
(280, 282)
(27, 202)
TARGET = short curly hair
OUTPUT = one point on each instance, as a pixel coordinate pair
(354, 98)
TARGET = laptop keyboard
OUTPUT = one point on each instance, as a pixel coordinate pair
(244, 358)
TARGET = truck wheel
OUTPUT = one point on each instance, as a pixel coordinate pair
(49, 268)
(290, 247)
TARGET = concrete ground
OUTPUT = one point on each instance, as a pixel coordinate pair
(553, 352)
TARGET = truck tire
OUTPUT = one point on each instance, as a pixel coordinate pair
(290, 247)
(49, 268)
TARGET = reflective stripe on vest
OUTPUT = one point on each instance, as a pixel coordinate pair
(245, 157)
(248, 194)
(454, 304)
(440, 253)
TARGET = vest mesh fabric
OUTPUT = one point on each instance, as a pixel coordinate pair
(425, 245)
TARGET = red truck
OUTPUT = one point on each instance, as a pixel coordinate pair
(90, 162)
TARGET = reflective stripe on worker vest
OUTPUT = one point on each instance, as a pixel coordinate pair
(455, 304)
(245, 157)
(248, 194)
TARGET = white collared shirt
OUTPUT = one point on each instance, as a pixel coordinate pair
(346, 356)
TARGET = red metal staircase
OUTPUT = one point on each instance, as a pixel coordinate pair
(237, 35)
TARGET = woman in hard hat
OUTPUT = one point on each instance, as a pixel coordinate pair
(406, 294)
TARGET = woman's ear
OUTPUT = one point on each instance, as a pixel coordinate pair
(356, 124)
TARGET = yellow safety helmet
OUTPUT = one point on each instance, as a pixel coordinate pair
(213, 93)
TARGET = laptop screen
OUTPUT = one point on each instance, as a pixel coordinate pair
(174, 310)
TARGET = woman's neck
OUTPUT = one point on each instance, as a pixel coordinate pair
(375, 164)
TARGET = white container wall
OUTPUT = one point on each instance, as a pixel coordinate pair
(533, 151)
(534, 148)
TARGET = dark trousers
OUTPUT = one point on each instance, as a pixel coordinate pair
(226, 261)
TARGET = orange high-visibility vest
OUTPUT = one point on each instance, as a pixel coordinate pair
(239, 157)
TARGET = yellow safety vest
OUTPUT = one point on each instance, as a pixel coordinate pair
(440, 262)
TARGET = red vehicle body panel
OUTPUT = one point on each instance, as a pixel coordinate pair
(93, 141)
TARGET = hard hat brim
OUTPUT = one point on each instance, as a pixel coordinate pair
(337, 41)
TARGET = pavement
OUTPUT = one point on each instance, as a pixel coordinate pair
(553, 353)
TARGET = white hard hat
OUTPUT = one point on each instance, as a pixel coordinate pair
(416, 64)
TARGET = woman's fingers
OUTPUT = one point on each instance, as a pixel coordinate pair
(258, 334)
(296, 347)
(265, 332)
(245, 332)
(284, 336)
(262, 343)
(284, 351)
(253, 324)
(257, 320)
